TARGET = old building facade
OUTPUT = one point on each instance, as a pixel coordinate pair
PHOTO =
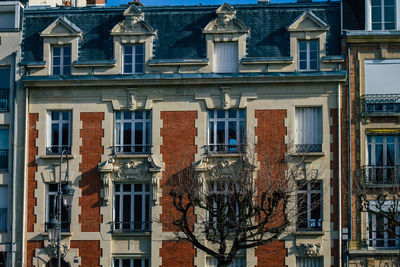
(136, 94)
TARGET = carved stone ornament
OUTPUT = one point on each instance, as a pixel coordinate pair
(51, 250)
(132, 99)
(133, 23)
(225, 97)
(225, 166)
(132, 170)
(309, 250)
(226, 21)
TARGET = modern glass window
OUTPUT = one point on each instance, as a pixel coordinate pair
(131, 208)
(132, 132)
(61, 60)
(131, 262)
(3, 208)
(133, 58)
(309, 206)
(382, 233)
(237, 262)
(59, 136)
(308, 135)
(309, 262)
(4, 139)
(308, 55)
(383, 14)
(225, 57)
(383, 158)
(226, 131)
(5, 83)
(52, 208)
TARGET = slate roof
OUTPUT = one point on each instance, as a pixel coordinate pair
(180, 28)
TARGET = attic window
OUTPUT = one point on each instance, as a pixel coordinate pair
(133, 58)
(61, 60)
(308, 55)
(225, 57)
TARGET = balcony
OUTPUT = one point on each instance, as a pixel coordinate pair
(225, 149)
(3, 220)
(130, 227)
(375, 175)
(308, 148)
(56, 150)
(3, 159)
(309, 225)
(381, 103)
(4, 97)
(131, 150)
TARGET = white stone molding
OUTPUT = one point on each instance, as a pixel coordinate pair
(132, 98)
(226, 22)
(61, 27)
(133, 24)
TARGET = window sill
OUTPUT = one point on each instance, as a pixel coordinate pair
(62, 233)
(310, 154)
(144, 233)
(302, 233)
(375, 251)
(380, 114)
(56, 156)
(124, 156)
(217, 155)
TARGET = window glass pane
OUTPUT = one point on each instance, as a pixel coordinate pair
(4, 138)
(127, 134)
(147, 209)
(118, 115)
(127, 210)
(128, 49)
(139, 49)
(67, 51)
(137, 263)
(138, 68)
(389, 2)
(54, 134)
(127, 68)
(56, 51)
(138, 211)
(232, 113)
(303, 65)
(65, 134)
(116, 206)
(221, 132)
(241, 113)
(313, 65)
(126, 263)
(313, 46)
(127, 187)
(127, 115)
(303, 55)
(211, 114)
(56, 70)
(117, 186)
(139, 134)
(139, 115)
(376, 14)
(148, 133)
(67, 70)
(211, 133)
(232, 138)
(4, 78)
(56, 61)
(118, 134)
(303, 45)
(116, 262)
(220, 113)
(138, 187)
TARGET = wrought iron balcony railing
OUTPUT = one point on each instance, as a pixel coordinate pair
(384, 243)
(376, 103)
(308, 148)
(225, 149)
(4, 100)
(373, 174)
(130, 227)
(3, 159)
(135, 149)
(310, 225)
(56, 150)
(3, 219)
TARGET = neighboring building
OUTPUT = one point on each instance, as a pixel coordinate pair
(137, 95)
(372, 35)
(11, 144)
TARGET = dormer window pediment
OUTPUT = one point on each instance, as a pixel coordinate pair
(308, 22)
(133, 24)
(61, 27)
(226, 22)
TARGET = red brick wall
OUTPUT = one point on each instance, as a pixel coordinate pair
(334, 180)
(270, 148)
(32, 169)
(30, 251)
(177, 254)
(89, 251)
(271, 255)
(178, 149)
(90, 183)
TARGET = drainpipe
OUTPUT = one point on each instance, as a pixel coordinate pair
(349, 174)
(25, 184)
(339, 174)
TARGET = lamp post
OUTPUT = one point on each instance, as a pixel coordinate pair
(64, 197)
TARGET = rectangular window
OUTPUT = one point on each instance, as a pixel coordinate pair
(3, 259)
(225, 57)
(61, 60)
(5, 83)
(309, 262)
(237, 262)
(308, 136)
(131, 262)
(383, 14)
(382, 233)
(59, 134)
(383, 158)
(52, 208)
(309, 206)
(308, 55)
(3, 208)
(133, 58)
(226, 131)
(4, 139)
(131, 208)
(132, 132)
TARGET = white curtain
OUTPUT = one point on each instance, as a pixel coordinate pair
(382, 76)
(225, 57)
(309, 262)
(308, 126)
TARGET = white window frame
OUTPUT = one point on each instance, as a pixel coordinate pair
(368, 16)
(134, 63)
(308, 55)
(222, 55)
(131, 262)
(63, 60)
(212, 136)
(59, 122)
(119, 225)
(310, 207)
(372, 143)
(372, 242)
(132, 148)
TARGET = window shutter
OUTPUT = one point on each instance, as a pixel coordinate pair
(225, 57)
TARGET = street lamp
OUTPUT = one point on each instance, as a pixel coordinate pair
(64, 197)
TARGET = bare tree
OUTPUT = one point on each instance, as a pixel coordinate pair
(239, 200)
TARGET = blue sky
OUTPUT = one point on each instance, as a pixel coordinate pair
(194, 2)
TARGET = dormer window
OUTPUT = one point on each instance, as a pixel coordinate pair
(225, 57)
(61, 60)
(383, 14)
(133, 58)
(308, 55)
